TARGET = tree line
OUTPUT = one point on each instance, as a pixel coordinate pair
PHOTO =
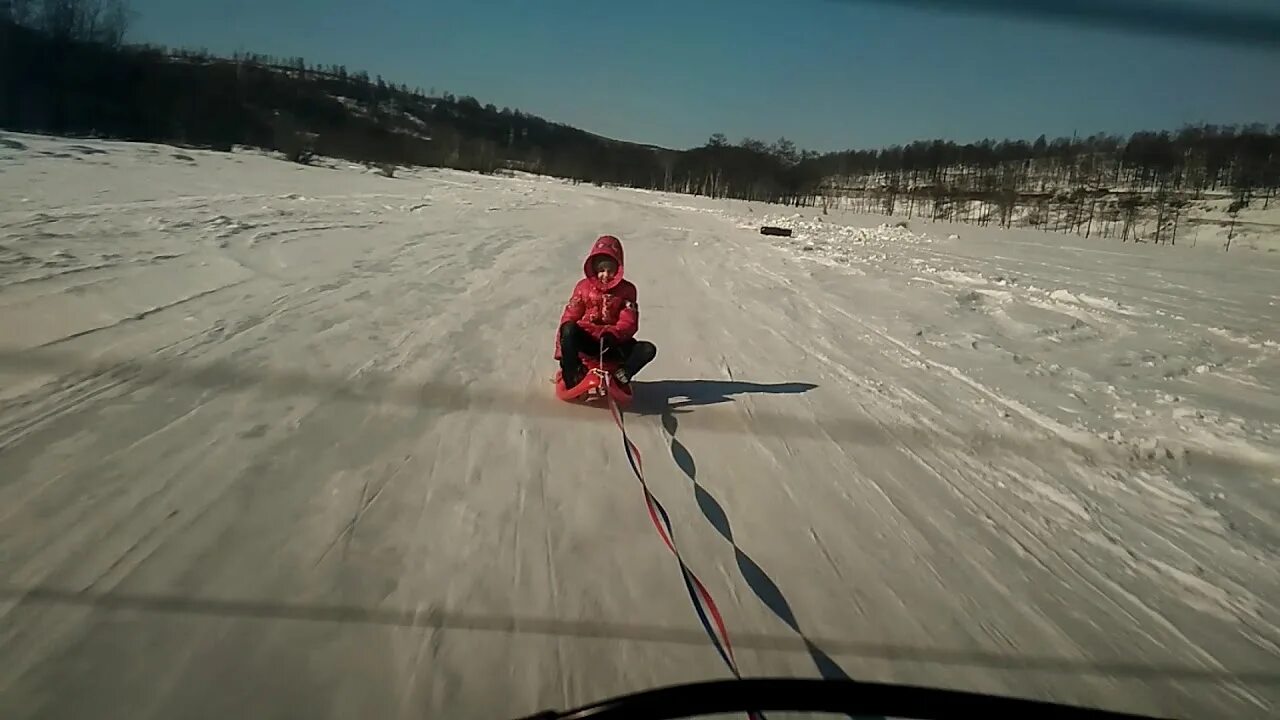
(65, 69)
(1133, 188)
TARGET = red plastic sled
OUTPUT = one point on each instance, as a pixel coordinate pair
(594, 388)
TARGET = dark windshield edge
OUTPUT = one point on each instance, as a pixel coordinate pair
(845, 697)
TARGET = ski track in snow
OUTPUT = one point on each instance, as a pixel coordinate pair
(280, 441)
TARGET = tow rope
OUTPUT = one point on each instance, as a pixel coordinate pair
(703, 604)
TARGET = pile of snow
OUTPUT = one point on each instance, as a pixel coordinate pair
(837, 243)
(676, 205)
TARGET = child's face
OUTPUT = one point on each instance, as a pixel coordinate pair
(605, 268)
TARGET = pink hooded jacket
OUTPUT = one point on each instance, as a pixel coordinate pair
(599, 308)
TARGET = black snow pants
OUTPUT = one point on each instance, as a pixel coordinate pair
(633, 354)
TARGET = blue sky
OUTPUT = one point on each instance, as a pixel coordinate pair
(828, 75)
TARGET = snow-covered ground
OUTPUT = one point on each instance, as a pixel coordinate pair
(279, 441)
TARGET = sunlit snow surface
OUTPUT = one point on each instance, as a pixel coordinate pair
(279, 441)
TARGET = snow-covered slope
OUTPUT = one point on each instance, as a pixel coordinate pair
(278, 441)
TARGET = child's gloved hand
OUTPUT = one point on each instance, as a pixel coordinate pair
(608, 339)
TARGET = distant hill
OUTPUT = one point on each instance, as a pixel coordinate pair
(144, 93)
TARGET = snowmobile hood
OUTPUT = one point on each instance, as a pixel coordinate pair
(609, 246)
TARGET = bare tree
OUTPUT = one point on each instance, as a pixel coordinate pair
(20, 12)
(668, 160)
(1129, 209)
(112, 22)
(1088, 228)
(100, 21)
(1237, 205)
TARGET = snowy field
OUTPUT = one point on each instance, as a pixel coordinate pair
(279, 441)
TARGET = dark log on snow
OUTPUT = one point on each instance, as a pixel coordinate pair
(769, 230)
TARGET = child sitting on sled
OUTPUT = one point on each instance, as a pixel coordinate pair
(602, 315)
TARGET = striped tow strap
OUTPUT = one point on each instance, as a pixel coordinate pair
(703, 604)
